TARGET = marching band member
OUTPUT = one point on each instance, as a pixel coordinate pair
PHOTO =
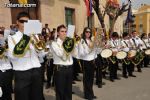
(49, 62)
(27, 72)
(63, 66)
(76, 60)
(137, 43)
(99, 61)
(127, 66)
(113, 64)
(88, 54)
(145, 39)
(41, 55)
(99, 66)
(5, 72)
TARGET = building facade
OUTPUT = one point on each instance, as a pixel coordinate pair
(56, 12)
(142, 19)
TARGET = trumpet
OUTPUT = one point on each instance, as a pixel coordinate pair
(38, 43)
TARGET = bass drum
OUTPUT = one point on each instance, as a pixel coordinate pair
(106, 53)
(121, 55)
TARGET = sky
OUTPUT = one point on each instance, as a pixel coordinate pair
(136, 3)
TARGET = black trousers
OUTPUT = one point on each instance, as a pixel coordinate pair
(139, 66)
(43, 71)
(29, 85)
(63, 82)
(76, 68)
(146, 61)
(113, 70)
(6, 84)
(88, 78)
(98, 62)
(127, 68)
(50, 71)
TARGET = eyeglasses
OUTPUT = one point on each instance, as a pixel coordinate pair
(87, 31)
(23, 21)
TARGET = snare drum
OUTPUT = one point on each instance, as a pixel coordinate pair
(121, 55)
(106, 53)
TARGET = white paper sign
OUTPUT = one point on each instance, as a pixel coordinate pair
(71, 30)
(32, 27)
(6, 33)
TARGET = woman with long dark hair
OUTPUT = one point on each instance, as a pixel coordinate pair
(88, 54)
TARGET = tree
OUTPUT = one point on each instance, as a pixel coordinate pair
(112, 9)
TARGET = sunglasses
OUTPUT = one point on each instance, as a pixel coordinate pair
(87, 31)
(23, 21)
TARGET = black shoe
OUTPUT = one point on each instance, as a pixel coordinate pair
(139, 70)
(94, 97)
(72, 92)
(48, 85)
(73, 82)
(77, 79)
(117, 78)
(99, 86)
(103, 83)
(112, 80)
(125, 76)
(88, 98)
(132, 75)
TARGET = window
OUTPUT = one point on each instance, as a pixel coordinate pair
(69, 16)
(141, 28)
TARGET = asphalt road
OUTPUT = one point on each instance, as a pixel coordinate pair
(125, 89)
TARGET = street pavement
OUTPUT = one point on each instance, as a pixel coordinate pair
(137, 88)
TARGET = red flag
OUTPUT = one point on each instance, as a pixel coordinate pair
(87, 3)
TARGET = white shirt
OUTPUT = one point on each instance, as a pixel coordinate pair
(115, 44)
(138, 42)
(85, 52)
(125, 43)
(29, 61)
(59, 55)
(147, 42)
(5, 64)
(41, 55)
(75, 54)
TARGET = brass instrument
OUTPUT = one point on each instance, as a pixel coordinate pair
(3, 49)
(38, 43)
(77, 39)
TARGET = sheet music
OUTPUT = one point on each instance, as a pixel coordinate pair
(32, 27)
(70, 31)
